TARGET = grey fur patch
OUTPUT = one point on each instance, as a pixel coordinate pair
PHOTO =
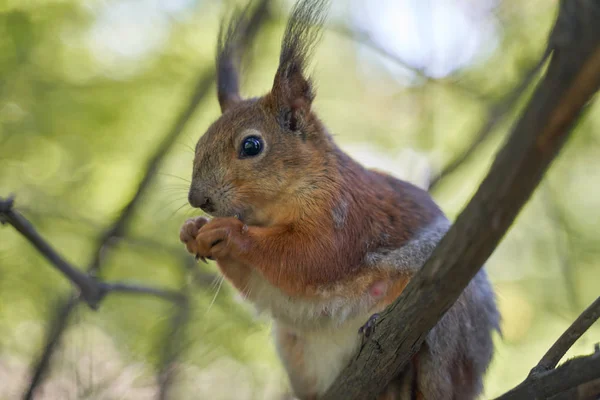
(413, 254)
(464, 334)
(339, 214)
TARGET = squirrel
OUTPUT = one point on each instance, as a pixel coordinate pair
(316, 240)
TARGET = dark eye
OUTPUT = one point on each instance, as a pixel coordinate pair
(251, 146)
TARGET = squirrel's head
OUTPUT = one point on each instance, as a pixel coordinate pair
(262, 152)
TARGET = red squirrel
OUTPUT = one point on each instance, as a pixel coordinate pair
(316, 240)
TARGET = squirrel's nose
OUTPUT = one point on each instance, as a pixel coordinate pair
(207, 205)
(200, 200)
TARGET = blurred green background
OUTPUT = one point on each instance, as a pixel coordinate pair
(89, 90)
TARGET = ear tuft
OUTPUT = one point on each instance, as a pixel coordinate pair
(235, 33)
(292, 89)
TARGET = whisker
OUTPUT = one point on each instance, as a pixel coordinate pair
(176, 211)
(187, 146)
(189, 212)
(191, 139)
(178, 184)
(215, 281)
(247, 290)
(172, 190)
(216, 293)
(174, 176)
(169, 191)
(171, 201)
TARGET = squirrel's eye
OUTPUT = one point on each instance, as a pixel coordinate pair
(251, 146)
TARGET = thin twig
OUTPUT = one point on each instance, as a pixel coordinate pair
(200, 277)
(87, 286)
(174, 344)
(587, 318)
(53, 336)
(364, 39)
(90, 289)
(130, 288)
(563, 244)
(576, 379)
(495, 114)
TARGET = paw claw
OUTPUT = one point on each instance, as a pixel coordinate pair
(369, 327)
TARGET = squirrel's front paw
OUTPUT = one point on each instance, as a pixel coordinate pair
(189, 231)
(220, 238)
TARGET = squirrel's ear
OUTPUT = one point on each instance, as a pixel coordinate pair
(293, 95)
(292, 91)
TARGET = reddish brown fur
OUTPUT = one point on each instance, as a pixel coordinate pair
(288, 206)
(288, 233)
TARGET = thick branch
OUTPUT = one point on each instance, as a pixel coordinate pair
(572, 78)
(568, 338)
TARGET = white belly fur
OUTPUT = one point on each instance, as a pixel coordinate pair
(327, 332)
(325, 353)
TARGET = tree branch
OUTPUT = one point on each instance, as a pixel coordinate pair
(175, 343)
(130, 288)
(572, 78)
(563, 243)
(54, 333)
(90, 289)
(87, 286)
(577, 378)
(148, 243)
(495, 113)
(363, 38)
(568, 338)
